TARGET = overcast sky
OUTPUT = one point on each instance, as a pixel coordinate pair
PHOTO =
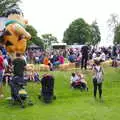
(54, 16)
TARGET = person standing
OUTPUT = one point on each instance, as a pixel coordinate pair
(84, 51)
(114, 55)
(114, 51)
(97, 78)
(2, 68)
(19, 65)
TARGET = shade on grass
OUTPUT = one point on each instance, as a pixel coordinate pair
(70, 104)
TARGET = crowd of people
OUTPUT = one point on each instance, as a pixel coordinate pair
(10, 68)
(54, 58)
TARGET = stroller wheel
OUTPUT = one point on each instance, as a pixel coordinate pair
(22, 106)
(30, 103)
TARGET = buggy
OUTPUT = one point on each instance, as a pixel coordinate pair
(47, 91)
(18, 92)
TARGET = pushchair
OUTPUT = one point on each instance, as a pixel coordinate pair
(47, 91)
(18, 92)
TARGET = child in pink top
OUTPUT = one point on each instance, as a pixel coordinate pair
(61, 59)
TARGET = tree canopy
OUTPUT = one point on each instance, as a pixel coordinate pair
(95, 34)
(49, 39)
(35, 39)
(78, 32)
(114, 27)
(117, 34)
(113, 22)
(8, 4)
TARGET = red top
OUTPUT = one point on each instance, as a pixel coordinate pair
(1, 63)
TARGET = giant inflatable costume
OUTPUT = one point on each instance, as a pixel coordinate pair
(15, 36)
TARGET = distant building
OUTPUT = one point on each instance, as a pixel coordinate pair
(34, 46)
(75, 46)
(58, 45)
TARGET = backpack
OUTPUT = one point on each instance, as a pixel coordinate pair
(99, 75)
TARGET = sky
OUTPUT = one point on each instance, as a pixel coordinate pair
(54, 16)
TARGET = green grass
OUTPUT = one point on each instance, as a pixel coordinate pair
(70, 104)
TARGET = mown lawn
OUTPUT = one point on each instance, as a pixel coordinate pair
(70, 104)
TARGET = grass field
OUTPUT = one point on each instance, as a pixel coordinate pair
(70, 104)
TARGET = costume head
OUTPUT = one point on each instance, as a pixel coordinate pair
(15, 37)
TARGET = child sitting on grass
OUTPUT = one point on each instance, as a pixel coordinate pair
(78, 81)
(83, 82)
(74, 80)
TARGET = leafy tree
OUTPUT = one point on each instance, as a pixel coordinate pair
(8, 4)
(113, 24)
(117, 34)
(49, 39)
(78, 32)
(35, 39)
(113, 21)
(38, 41)
(95, 34)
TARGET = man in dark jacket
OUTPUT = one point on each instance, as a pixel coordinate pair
(84, 51)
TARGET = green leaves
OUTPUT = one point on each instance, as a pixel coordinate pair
(31, 30)
(77, 32)
(117, 35)
(114, 26)
(49, 39)
(81, 32)
(95, 34)
(35, 39)
(5, 5)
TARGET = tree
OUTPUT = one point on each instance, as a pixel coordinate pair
(113, 21)
(35, 39)
(49, 39)
(95, 34)
(78, 32)
(5, 5)
(117, 35)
